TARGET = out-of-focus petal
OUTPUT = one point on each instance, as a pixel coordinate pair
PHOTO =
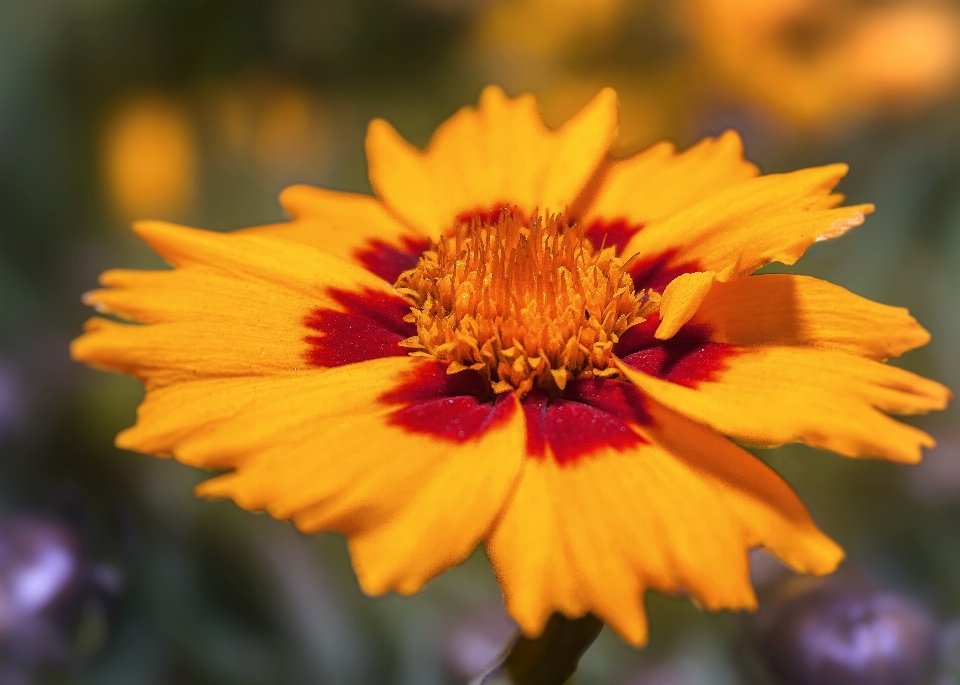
(499, 154)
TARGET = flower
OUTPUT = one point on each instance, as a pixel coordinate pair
(563, 26)
(149, 156)
(817, 62)
(523, 342)
(842, 631)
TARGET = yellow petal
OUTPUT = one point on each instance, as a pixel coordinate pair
(235, 306)
(339, 451)
(171, 416)
(258, 257)
(736, 231)
(349, 225)
(162, 354)
(677, 514)
(444, 520)
(769, 395)
(782, 309)
(497, 154)
(657, 182)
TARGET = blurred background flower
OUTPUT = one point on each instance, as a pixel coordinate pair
(150, 157)
(824, 63)
(842, 632)
(202, 112)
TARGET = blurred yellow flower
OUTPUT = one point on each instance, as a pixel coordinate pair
(522, 341)
(149, 157)
(905, 54)
(815, 62)
(546, 27)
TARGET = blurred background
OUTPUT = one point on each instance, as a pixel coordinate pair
(201, 112)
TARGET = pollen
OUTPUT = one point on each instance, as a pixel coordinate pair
(527, 304)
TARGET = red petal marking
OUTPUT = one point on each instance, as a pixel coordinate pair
(638, 337)
(654, 273)
(370, 328)
(457, 407)
(389, 261)
(616, 233)
(590, 415)
(688, 358)
(688, 366)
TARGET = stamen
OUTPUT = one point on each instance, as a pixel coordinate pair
(526, 305)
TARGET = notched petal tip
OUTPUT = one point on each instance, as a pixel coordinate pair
(926, 394)
(631, 625)
(133, 440)
(836, 171)
(127, 440)
(601, 113)
(492, 95)
(731, 138)
(225, 486)
(296, 198)
(813, 553)
(606, 101)
(148, 229)
(92, 325)
(173, 242)
(380, 135)
(377, 586)
(370, 585)
(84, 348)
(918, 335)
(377, 580)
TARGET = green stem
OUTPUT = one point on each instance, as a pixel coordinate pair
(546, 660)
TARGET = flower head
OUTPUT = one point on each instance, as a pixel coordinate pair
(524, 305)
(524, 342)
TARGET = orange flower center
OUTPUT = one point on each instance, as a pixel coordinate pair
(526, 305)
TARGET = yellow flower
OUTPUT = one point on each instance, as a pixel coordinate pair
(815, 62)
(523, 342)
(150, 156)
(561, 25)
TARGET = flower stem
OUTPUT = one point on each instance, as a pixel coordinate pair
(546, 660)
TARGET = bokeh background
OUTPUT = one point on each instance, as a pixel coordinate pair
(201, 112)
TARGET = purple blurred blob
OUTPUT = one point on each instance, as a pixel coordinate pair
(841, 633)
(39, 567)
(38, 561)
(473, 643)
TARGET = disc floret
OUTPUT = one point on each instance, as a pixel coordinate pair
(526, 304)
